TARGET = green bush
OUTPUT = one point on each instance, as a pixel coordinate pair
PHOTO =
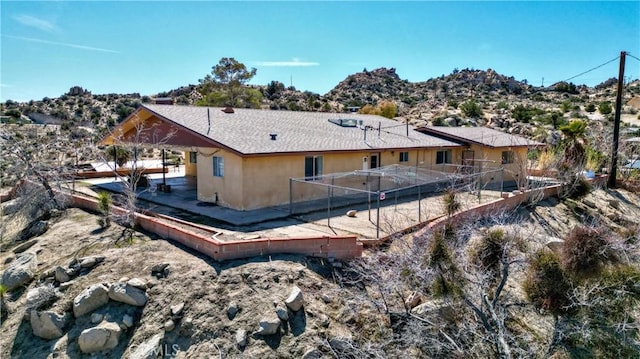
(605, 108)
(471, 109)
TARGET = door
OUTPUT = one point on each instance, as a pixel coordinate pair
(468, 160)
(374, 163)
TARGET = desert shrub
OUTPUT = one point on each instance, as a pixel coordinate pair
(452, 103)
(605, 108)
(546, 284)
(471, 109)
(441, 260)
(586, 251)
(451, 203)
(579, 187)
(590, 107)
(104, 206)
(491, 249)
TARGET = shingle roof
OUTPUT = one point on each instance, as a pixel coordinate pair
(480, 135)
(248, 131)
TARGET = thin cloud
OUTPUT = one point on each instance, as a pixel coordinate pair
(65, 44)
(292, 63)
(35, 22)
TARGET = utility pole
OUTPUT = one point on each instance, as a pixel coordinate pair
(616, 124)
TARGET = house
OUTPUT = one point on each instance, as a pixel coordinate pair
(484, 147)
(244, 158)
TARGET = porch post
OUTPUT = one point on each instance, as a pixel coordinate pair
(164, 162)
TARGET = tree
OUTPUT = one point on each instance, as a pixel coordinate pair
(228, 79)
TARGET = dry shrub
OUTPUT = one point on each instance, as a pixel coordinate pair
(546, 285)
(491, 249)
(586, 251)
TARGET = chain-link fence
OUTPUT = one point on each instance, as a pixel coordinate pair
(364, 190)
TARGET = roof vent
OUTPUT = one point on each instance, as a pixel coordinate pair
(228, 109)
(273, 136)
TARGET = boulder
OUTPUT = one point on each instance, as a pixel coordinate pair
(176, 310)
(35, 229)
(90, 262)
(232, 310)
(431, 310)
(282, 313)
(20, 272)
(47, 325)
(148, 349)
(555, 244)
(312, 354)
(340, 344)
(269, 325)
(127, 320)
(295, 299)
(38, 298)
(61, 275)
(24, 246)
(241, 338)
(103, 337)
(90, 299)
(122, 292)
(96, 318)
(351, 213)
(169, 325)
(137, 282)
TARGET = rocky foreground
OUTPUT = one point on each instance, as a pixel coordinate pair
(74, 290)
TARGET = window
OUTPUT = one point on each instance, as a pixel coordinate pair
(404, 156)
(218, 166)
(312, 166)
(193, 157)
(507, 157)
(443, 157)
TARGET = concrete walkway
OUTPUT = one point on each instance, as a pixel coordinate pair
(183, 196)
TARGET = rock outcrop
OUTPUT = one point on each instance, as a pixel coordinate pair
(47, 325)
(20, 272)
(122, 292)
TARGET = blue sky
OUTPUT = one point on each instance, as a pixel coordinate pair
(149, 47)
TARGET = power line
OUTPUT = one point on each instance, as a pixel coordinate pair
(628, 54)
(595, 68)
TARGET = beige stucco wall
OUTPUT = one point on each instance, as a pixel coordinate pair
(227, 190)
(256, 182)
(190, 169)
(492, 157)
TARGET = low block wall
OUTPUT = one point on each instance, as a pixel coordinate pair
(339, 247)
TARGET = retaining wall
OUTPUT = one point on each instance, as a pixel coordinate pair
(339, 247)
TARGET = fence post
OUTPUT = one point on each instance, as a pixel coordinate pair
(290, 196)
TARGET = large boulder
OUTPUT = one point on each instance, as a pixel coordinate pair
(47, 325)
(20, 272)
(295, 299)
(90, 299)
(38, 298)
(122, 292)
(103, 337)
(35, 229)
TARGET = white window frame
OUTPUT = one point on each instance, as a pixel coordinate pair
(404, 156)
(509, 158)
(316, 163)
(218, 166)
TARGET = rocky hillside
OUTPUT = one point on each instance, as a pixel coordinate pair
(74, 290)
